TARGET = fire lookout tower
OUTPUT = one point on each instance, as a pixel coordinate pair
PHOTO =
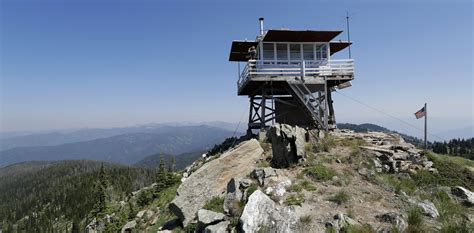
(289, 76)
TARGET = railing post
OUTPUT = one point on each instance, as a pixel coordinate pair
(303, 70)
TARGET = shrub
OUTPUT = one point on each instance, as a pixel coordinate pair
(263, 163)
(295, 199)
(295, 188)
(252, 188)
(398, 184)
(308, 185)
(319, 172)
(326, 143)
(216, 204)
(456, 227)
(340, 197)
(415, 221)
(330, 229)
(306, 219)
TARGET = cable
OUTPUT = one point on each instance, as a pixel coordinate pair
(380, 111)
(237, 127)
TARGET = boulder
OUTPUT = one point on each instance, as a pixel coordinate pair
(232, 196)
(427, 207)
(394, 219)
(208, 217)
(287, 144)
(212, 178)
(217, 228)
(262, 214)
(340, 222)
(466, 196)
(129, 226)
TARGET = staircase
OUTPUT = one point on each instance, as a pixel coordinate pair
(314, 105)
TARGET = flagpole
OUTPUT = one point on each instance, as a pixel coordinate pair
(426, 123)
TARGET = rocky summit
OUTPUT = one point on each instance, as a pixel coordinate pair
(293, 179)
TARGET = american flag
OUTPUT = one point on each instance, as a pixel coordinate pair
(421, 113)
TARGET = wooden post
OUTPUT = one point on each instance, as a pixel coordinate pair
(426, 123)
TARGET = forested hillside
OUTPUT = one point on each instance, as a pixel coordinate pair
(54, 196)
(126, 148)
(456, 147)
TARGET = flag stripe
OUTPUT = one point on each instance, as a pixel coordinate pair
(421, 113)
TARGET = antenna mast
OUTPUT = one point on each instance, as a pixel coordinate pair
(348, 33)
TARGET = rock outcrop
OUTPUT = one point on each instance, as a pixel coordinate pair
(211, 179)
(287, 144)
(392, 153)
(261, 214)
(465, 196)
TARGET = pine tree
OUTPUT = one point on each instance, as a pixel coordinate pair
(100, 194)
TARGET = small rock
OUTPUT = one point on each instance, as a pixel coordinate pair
(427, 207)
(427, 164)
(217, 228)
(208, 217)
(129, 226)
(466, 196)
(261, 173)
(394, 219)
(340, 222)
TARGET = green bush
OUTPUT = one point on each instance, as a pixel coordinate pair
(252, 188)
(295, 188)
(216, 204)
(456, 227)
(295, 199)
(308, 185)
(398, 184)
(319, 172)
(340, 197)
(326, 143)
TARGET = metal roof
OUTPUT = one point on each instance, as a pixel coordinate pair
(299, 36)
(240, 50)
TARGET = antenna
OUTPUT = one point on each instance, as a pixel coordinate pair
(348, 33)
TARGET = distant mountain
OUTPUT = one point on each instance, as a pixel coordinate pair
(35, 196)
(126, 148)
(467, 132)
(23, 139)
(181, 160)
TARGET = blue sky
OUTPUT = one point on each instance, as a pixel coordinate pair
(68, 64)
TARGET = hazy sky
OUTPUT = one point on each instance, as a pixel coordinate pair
(110, 63)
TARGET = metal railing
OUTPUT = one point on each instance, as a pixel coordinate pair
(273, 68)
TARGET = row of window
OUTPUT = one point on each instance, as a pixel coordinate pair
(285, 51)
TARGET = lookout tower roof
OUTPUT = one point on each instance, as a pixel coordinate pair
(299, 36)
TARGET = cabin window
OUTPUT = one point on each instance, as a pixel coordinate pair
(295, 51)
(282, 51)
(321, 52)
(308, 52)
(268, 51)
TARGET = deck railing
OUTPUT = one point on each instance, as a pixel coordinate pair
(260, 68)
